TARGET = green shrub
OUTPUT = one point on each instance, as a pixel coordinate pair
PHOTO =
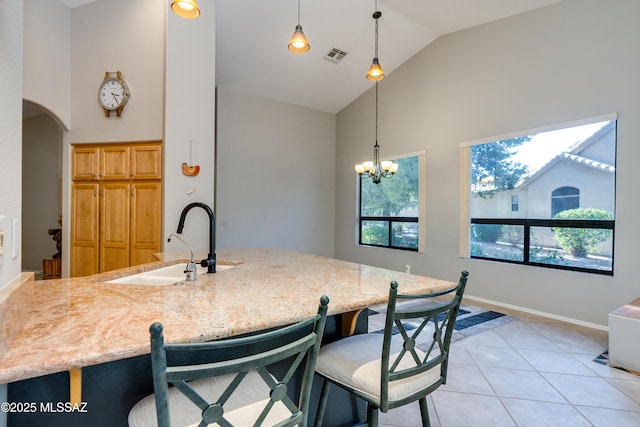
(582, 241)
(486, 233)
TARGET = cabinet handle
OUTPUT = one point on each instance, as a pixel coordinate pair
(95, 192)
(132, 175)
(95, 176)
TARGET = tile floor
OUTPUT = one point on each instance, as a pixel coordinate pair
(532, 371)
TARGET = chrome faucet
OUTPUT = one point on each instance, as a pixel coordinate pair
(190, 270)
(210, 261)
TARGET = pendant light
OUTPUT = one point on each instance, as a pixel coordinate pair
(185, 8)
(375, 71)
(376, 169)
(298, 42)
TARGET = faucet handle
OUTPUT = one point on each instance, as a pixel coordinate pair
(191, 272)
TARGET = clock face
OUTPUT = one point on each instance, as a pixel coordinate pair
(112, 94)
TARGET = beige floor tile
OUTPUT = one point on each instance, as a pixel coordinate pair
(528, 413)
(554, 361)
(591, 391)
(601, 417)
(518, 384)
(468, 379)
(470, 410)
(497, 357)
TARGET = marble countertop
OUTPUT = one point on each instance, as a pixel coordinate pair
(58, 325)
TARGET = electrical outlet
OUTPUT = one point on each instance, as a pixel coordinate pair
(407, 268)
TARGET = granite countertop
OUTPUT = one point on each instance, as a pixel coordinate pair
(58, 325)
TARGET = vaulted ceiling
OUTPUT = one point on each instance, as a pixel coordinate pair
(252, 38)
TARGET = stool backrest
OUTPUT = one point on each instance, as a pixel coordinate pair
(239, 357)
(424, 347)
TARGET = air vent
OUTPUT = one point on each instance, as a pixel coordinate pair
(335, 55)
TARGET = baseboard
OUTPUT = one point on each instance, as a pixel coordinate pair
(540, 313)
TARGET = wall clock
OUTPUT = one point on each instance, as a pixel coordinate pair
(113, 94)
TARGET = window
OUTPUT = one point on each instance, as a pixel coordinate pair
(563, 213)
(564, 198)
(514, 203)
(391, 213)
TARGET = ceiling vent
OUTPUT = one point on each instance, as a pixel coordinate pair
(335, 55)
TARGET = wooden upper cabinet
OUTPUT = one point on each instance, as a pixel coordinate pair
(85, 163)
(146, 162)
(115, 163)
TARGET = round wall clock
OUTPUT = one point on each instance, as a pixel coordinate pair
(113, 94)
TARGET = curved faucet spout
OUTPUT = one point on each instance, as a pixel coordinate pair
(210, 262)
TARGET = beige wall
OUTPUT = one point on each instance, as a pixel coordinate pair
(41, 150)
(276, 168)
(564, 62)
(10, 131)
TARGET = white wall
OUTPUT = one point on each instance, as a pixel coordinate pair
(276, 174)
(10, 131)
(47, 57)
(112, 35)
(189, 116)
(571, 60)
(41, 140)
(10, 139)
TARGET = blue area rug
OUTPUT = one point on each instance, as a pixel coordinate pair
(471, 320)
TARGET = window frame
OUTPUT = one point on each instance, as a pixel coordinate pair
(420, 219)
(466, 221)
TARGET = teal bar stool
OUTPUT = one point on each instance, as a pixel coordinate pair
(401, 365)
(239, 388)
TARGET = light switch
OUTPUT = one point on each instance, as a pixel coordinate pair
(1, 242)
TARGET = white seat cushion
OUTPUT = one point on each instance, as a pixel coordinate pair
(242, 408)
(356, 363)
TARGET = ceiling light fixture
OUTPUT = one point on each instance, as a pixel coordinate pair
(375, 71)
(185, 8)
(376, 170)
(298, 42)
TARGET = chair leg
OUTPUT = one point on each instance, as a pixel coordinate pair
(322, 405)
(372, 416)
(424, 411)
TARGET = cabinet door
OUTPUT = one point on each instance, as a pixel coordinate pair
(114, 226)
(84, 229)
(146, 221)
(146, 162)
(85, 163)
(114, 163)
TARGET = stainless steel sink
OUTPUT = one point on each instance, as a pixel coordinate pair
(164, 275)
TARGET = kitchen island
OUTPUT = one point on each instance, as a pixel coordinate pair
(68, 325)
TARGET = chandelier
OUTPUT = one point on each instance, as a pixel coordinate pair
(376, 169)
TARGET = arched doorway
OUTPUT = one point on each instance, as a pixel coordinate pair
(42, 145)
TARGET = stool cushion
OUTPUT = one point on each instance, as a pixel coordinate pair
(356, 363)
(242, 408)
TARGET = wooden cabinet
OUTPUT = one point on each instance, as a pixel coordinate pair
(85, 163)
(146, 162)
(117, 162)
(85, 228)
(117, 216)
(145, 222)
